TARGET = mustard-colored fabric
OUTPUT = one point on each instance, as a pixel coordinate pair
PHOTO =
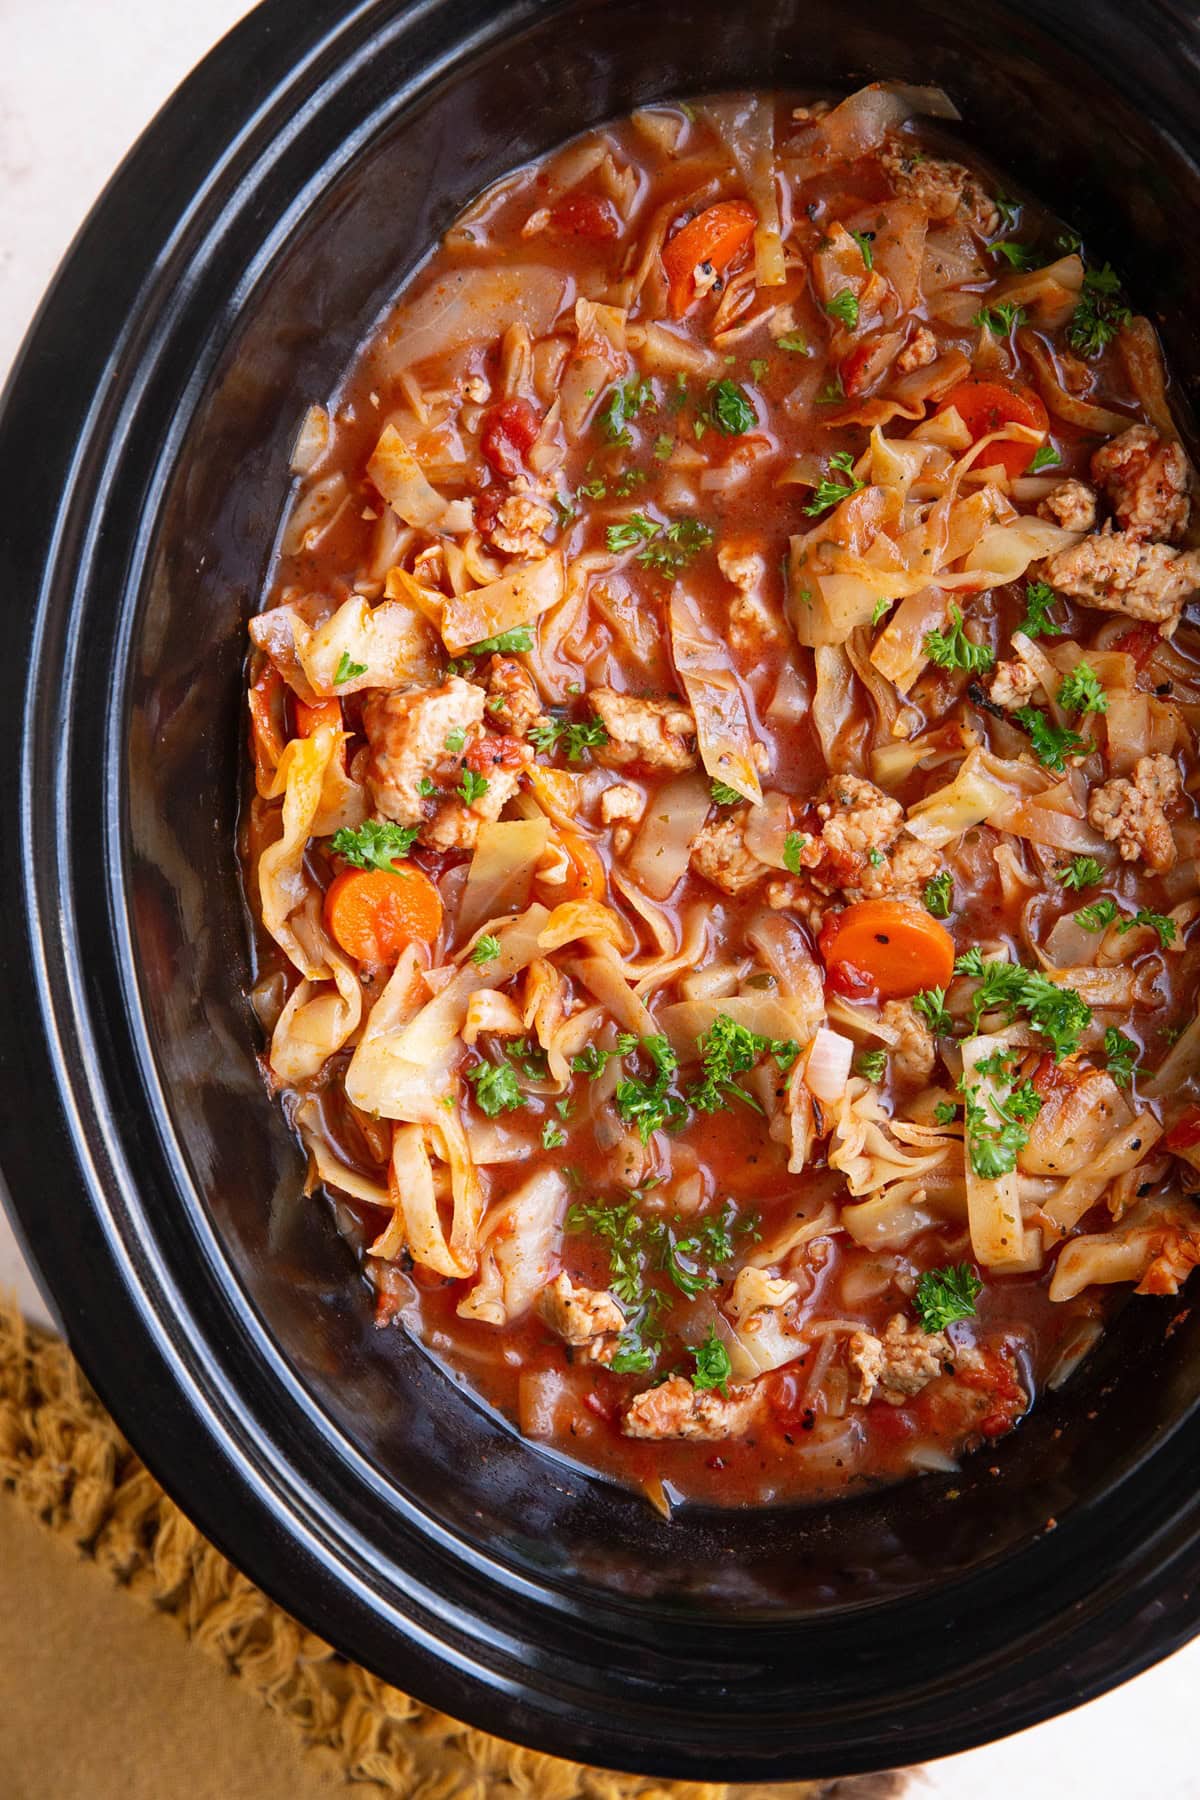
(107, 1597)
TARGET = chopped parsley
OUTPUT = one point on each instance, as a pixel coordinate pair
(1001, 320)
(496, 1089)
(1100, 313)
(1009, 210)
(930, 1005)
(1057, 1012)
(945, 1112)
(794, 341)
(486, 950)
(872, 1064)
(730, 409)
(1052, 744)
(793, 844)
(647, 1103)
(939, 894)
(455, 740)
(831, 491)
(630, 533)
(1098, 916)
(713, 1367)
(832, 392)
(663, 446)
(519, 638)
(1081, 872)
(347, 670)
(878, 610)
(376, 844)
(473, 786)
(426, 786)
(1044, 457)
(553, 1137)
(724, 795)
(1081, 691)
(685, 538)
(844, 307)
(1159, 922)
(625, 402)
(1039, 598)
(953, 649)
(758, 367)
(944, 1295)
(996, 1132)
(571, 738)
(863, 240)
(1121, 1054)
(1018, 256)
(727, 1050)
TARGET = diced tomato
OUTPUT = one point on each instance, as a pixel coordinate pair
(586, 216)
(787, 1396)
(849, 982)
(605, 1405)
(891, 1424)
(488, 753)
(508, 432)
(321, 712)
(1139, 642)
(1185, 1133)
(996, 1378)
(987, 406)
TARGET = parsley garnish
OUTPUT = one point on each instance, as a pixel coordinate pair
(724, 795)
(831, 492)
(944, 1295)
(844, 307)
(1039, 598)
(730, 409)
(1057, 1012)
(878, 610)
(553, 1138)
(376, 844)
(1159, 922)
(1081, 691)
(996, 1139)
(1018, 256)
(1098, 916)
(685, 539)
(486, 950)
(1099, 315)
(1051, 744)
(455, 740)
(872, 1064)
(945, 1112)
(930, 1005)
(863, 240)
(663, 446)
(953, 649)
(794, 341)
(939, 893)
(758, 367)
(793, 844)
(713, 1367)
(647, 1103)
(473, 786)
(728, 1049)
(1081, 872)
(347, 670)
(1001, 320)
(832, 392)
(1121, 1053)
(496, 1089)
(624, 403)
(631, 532)
(572, 738)
(1009, 210)
(1044, 457)
(519, 638)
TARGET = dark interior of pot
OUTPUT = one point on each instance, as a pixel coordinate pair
(1036, 108)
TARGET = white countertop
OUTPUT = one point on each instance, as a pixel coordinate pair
(78, 80)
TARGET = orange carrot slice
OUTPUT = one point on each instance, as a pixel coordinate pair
(986, 406)
(896, 946)
(714, 236)
(374, 914)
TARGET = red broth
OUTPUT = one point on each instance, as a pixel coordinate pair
(729, 647)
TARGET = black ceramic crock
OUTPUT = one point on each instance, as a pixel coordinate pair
(220, 285)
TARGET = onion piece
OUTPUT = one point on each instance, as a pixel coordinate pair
(399, 477)
(827, 1068)
(517, 598)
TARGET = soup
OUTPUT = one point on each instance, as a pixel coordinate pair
(721, 843)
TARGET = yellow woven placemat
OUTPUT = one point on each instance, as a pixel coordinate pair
(100, 1698)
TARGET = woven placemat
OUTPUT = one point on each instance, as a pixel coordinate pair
(65, 1462)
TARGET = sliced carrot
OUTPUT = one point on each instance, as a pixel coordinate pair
(898, 947)
(714, 236)
(311, 718)
(265, 700)
(987, 406)
(374, 914)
